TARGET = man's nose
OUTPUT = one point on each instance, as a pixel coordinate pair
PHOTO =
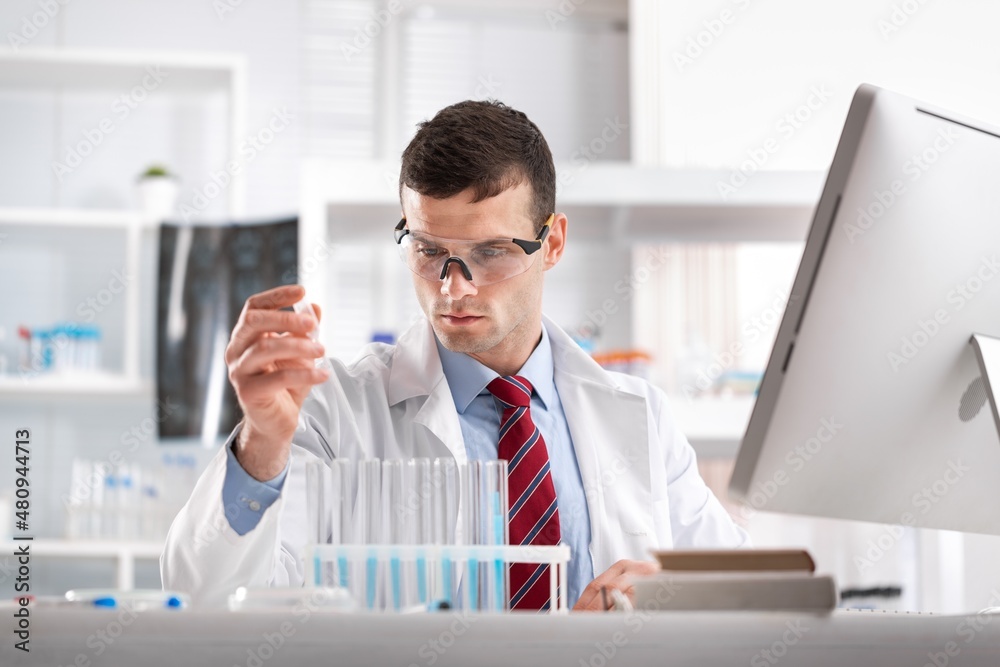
(454, 285)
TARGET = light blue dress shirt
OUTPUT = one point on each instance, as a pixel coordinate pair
(244, 493)
(479, 416)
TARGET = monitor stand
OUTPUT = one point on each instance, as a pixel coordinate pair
(988, 355)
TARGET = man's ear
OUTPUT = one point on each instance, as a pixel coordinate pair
(555, 242)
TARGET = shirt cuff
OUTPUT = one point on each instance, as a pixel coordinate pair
(250, 496)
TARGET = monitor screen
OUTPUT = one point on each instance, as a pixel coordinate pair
(873, 406)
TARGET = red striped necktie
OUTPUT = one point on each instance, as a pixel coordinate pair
(533, 517)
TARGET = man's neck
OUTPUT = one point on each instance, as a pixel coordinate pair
(510, 364)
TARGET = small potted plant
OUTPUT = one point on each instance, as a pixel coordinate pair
(158, 190)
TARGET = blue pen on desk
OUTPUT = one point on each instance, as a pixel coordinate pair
(141, 599)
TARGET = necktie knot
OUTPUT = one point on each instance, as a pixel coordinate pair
(512, 390)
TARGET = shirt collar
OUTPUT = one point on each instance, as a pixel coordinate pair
(467, 378)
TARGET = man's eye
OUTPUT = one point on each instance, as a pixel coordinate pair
(490, 253)
(430, 251)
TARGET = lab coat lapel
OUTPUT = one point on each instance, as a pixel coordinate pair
(609, 428)
(417, 372)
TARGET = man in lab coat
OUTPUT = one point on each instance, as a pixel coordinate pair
(475, 179)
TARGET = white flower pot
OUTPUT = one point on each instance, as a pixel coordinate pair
(158, 197)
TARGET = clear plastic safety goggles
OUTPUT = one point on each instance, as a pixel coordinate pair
(482, 262)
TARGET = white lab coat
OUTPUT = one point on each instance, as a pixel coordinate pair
(639, 472)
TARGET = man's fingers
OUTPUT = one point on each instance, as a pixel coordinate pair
(263, 354)
(254, 324)
(278, 297)
(264, 387)
(619, 576)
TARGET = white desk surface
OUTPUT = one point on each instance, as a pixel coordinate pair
(93, 637)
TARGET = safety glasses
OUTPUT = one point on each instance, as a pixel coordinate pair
(481, 262)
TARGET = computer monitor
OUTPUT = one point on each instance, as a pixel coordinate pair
(873, 406)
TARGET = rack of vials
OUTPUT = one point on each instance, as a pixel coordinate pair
(413, 534)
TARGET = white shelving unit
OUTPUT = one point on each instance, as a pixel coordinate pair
(95, 70)
(131, 224)
(96, 386)
(123, 553)
(98, 70)
(714, 425)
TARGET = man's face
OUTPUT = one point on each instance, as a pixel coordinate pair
(498, 324)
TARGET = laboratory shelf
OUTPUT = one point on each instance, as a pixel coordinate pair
(185, 75)
(116, 70)
(124, 552)
(70, 217)
(714, 425)
(103, 385)
(134, 226)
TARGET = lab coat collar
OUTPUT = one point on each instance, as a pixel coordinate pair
(416, 367)
(417, 370)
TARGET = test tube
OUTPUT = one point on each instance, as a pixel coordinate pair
(471, 532)
(368, 519)
(319, 513)
(393, 522)
(494, 512)
(303, 307)
(421, 490)
(447, 485)
(343, 477)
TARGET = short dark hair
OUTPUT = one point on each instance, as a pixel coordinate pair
(485, 145)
